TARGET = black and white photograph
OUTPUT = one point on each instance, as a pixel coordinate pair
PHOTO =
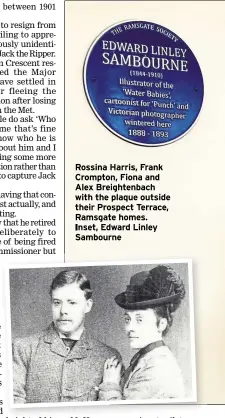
(102, 333)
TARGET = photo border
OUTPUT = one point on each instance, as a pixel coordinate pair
(189, 400)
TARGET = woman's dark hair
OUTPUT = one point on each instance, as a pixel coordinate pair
(164, 281)
(69, 277)
(164, 311)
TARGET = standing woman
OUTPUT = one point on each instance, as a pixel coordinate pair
(149, 303)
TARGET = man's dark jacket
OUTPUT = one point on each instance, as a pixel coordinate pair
(44, 371)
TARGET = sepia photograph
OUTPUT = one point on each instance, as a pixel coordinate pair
(102, 333)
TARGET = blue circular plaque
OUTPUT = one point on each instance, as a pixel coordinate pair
(143, 83)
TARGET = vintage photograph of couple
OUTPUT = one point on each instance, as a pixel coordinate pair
(102, 333)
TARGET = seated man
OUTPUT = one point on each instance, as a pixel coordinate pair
(63, 363)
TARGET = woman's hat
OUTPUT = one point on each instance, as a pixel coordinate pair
(148, 289)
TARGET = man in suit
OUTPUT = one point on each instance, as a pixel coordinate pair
(63, 363)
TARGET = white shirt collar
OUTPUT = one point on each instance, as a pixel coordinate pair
(74, 336)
